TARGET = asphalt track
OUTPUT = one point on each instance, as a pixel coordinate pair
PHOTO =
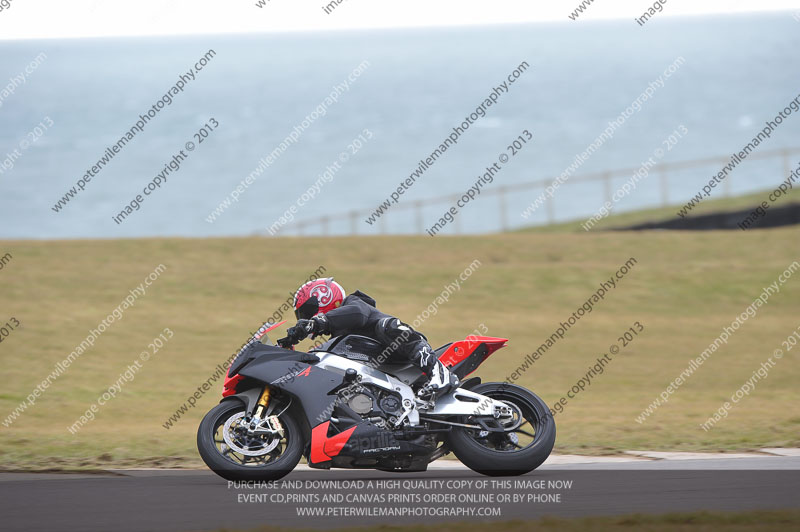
(171, 500)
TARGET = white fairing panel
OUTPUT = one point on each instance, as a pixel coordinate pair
(460, 402)
(370, 375)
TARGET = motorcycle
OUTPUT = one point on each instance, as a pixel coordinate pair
(349, 404)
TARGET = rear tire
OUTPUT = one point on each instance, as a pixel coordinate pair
(475, 451)
(210, 447)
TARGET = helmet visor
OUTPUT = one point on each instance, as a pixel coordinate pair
(308, 309)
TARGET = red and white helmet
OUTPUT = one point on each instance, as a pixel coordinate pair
(317, 297)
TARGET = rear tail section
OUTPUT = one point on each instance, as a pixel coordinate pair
(464, 357)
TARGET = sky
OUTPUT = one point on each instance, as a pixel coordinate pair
(35, 19)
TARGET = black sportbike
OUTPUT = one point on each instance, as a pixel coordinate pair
(337, 407)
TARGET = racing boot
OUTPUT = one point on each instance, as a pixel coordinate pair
(440, 381)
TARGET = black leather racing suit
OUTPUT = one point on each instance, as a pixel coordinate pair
(358, 315)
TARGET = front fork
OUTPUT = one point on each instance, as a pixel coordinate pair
(263, 402)
(271, 424)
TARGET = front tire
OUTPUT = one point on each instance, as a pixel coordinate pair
(503, 454)
(265, 459)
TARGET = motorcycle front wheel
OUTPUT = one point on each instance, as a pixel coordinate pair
(521, 449)
(234, 453)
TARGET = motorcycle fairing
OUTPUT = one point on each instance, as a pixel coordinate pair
(257, 350)
(311, 385)
(464, 357)
(364, 442)
(324, 447)
(370, 375)
(308, 384)
(460, 402)
(254, 351)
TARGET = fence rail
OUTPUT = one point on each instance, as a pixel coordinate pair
(503, 192)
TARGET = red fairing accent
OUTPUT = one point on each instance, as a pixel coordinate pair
(324, 448)
(460, 350)
(229, 387)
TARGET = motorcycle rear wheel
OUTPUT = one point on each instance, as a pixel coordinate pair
(268, 459)
(511, 453)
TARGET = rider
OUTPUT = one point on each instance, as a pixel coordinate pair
(322, 308)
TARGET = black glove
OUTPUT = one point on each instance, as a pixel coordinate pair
(286, 343)
(315, 326)
(299, 331)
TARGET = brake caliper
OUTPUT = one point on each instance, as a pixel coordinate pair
(274, 424)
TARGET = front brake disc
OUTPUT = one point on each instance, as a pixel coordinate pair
(233, 439)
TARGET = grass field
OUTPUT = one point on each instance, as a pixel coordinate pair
(684, 288)
(758, 521)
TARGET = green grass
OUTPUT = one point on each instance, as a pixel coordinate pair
(627, 219)
(685, 287)
(754, 521)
